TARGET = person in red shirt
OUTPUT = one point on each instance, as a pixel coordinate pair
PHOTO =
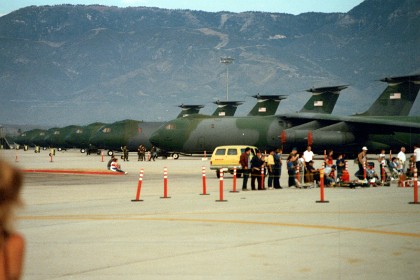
(245, 164)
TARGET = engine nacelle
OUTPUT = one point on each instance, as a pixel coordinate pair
(295, 137)
(332, 138)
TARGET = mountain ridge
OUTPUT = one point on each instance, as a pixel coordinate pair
(76, 64)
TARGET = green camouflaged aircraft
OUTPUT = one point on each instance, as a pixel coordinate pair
(382, 126)
(74, 136)
(133, 133)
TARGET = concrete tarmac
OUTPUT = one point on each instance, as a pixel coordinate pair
(86, 226)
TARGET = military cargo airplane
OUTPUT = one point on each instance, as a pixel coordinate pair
(132, 133)
(396, 100)
(79, 136)
(88, 137)
(57, 137)
(199, 133)
(29, 137)
(101, 134)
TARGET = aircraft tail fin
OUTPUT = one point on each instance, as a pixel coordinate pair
(397, 99)
(323, 99)
(226, 108)
(189, 110)
(266, 105)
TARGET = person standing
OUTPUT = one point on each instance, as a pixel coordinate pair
(245, 163)
(361, 161)
(291, 170)
(402, 158)
(308, 155)
(257, 163)
(270, 168)
(417, 157)
(277, 168)
(382, 164)
(141, 151)
(341, 164)
(153, 152)
(12, 244)
(125, 153)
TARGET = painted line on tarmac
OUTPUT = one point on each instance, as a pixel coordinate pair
(77, 172)
(243, 222)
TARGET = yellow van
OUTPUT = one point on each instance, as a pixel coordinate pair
(225, 158)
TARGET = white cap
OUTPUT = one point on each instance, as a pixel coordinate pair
(364, 148)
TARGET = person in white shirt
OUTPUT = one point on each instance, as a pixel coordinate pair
(308, 155)
(402, 159)
(417, 157)
(116, 167)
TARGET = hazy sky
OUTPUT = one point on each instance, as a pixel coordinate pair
(278, 6)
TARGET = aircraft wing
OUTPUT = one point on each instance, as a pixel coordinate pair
(369, 124)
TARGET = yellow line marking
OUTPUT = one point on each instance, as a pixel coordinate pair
(276, 224)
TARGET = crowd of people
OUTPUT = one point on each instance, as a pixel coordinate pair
(300, 167)
(255, 165)
(113, 164)
(142, 151)
(301, 171)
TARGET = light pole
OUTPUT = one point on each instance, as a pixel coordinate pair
(227, 61)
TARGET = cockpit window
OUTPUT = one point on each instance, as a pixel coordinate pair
(170, 126)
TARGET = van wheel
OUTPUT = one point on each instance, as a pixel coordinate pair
(83, 150)
(110, 153)
(175, 156)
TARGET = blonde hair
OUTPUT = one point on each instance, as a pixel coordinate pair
(10, 185)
